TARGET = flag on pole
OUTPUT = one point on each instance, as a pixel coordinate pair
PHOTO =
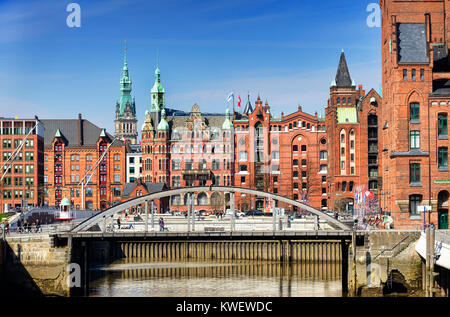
(230, 96)
(239, 101)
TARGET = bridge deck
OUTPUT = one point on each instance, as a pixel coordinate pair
(242, 235)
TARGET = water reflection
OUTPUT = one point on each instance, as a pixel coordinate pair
(140, 277)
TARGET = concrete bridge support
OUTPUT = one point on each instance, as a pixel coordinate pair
(384, 263)
(34, 266)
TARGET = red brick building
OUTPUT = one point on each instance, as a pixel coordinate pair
(415, 109)
(286, 156)
(187, 149)
(353, 144)
(139, 188)
(71, 149)
(297, 155)
(23, 180)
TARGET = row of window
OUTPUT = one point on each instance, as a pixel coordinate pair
(9, 130)
(345, 101)
(413, 74)
(18, 181)
(213, 135)
(7, 143)
(18, 194)
(29, 156)
(18, 169)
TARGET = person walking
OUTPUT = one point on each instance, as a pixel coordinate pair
(7, 226)
(118, 223)
(19, 225)
(161, 224)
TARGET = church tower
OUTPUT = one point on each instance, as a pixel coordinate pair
(157, 100)
(126, 122)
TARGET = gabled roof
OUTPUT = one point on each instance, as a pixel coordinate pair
(149, 187)
(343, 78)
(69, 129)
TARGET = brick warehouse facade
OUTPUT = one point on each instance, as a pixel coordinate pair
(71, 149)
(352, 129)
(416, 100)
(23, 181)
(187, 149)
(298, 155)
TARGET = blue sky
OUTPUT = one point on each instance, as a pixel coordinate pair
(286, 51)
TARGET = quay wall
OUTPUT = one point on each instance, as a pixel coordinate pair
(386, 263)
(33, 266)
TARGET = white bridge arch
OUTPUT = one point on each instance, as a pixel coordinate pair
(88, 223)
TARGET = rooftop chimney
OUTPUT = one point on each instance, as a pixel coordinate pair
(80, 130)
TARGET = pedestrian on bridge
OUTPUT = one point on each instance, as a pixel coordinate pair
(161, 224)
(118, 222)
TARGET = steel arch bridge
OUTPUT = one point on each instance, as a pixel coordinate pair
(88, 223)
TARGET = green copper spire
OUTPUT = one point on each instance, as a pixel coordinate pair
(125, 88)
(157, 93)
(163, 125)
(227, 124)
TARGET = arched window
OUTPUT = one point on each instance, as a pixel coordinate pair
(175, 200)
(216, 199)
(202, 199)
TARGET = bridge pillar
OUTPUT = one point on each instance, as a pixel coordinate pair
(146, 216)
(274, 217)
(232, 211)
(188, 212)
(193, 212)
(153, 215)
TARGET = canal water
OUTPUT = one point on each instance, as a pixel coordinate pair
(141, 277)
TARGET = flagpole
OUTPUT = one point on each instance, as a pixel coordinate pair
(233, 103)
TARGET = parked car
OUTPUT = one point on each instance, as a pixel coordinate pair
(237, 213)
(254, 213)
